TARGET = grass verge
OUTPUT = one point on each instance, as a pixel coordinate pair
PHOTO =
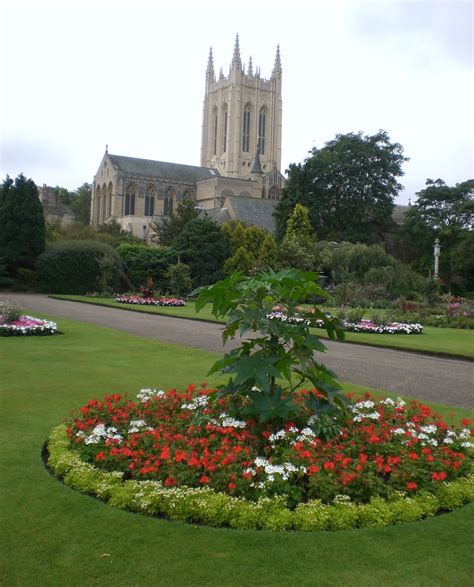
(450, 342)
(52, 535)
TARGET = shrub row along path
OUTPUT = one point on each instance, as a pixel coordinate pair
(430, 378)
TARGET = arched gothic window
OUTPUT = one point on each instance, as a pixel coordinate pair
(246, 130)
(168, 202)
(264, 193)
(215, 131)
(108, 211)
(129, 208)
(274, 193)
(224, 147)
(150, 201)
(261, 130)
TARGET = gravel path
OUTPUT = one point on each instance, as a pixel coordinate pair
(449, 381)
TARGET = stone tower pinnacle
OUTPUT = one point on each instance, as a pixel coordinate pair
(236, 57)
(277, 66)
(210, 63)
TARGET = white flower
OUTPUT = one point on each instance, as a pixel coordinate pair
(145, 395)
(465, 433)
(467, 444)
(398, 431)
(448, 440)
(431, 429)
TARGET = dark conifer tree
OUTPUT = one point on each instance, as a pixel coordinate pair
(22, 225)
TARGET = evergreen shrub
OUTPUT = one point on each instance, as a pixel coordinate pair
(77, 267)
(142, 261)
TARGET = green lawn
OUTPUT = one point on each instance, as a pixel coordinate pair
(442, 341)
(54, 536)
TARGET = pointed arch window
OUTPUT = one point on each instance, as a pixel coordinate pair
(168, 202)
(261, 130)
(246, 130)
(215, 132)
(225, 129)
(130, 201)
(150, 201)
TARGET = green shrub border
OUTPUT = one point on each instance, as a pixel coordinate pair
(208, 507)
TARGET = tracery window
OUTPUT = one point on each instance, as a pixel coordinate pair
(246, 130)
(225, 129)
(215, 131)
(168, 202)
(261, 130)
(129, 207)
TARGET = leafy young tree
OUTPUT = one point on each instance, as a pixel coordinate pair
(169, 227)
(22, 225)
(348, 187)
(204, 247)
(267, 369)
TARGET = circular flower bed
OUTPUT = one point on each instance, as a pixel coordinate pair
(28, 326)
(148, 301)
(180, 454)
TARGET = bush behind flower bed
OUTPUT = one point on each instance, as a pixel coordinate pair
(218, 509)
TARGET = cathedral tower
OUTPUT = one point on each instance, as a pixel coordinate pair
(240, 112)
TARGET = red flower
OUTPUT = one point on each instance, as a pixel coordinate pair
(441, 476)
(231, 485)
(413, 456)
(100, 456)
(313, 469)
(165, 453)
(465, 422)
(204, 479)
(411, 486)
(170, 482)
(328, 466)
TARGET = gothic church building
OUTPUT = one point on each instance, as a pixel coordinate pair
(239, 177)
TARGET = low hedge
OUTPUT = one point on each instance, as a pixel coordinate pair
(218, 509)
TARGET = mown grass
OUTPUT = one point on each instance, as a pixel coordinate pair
(53, 536)
(440, 341)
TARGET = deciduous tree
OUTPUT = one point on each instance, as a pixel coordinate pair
(348, 187)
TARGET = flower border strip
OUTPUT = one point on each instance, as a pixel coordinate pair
(208, 507)
(141, 301)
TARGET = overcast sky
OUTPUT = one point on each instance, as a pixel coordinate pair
(77, 75)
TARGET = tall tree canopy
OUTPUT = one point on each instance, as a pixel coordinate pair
(348, 187)
(444, 212)
(22, 226)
